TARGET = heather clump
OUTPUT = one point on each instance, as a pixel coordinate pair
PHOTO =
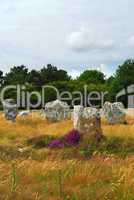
(70, 139)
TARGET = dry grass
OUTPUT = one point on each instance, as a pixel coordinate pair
(29, 127)
(123, 131)
(44, 174)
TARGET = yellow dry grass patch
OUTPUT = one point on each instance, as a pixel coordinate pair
(35, 125)
(99, 179)
(58, 178)
(30, 126)
(119, 130)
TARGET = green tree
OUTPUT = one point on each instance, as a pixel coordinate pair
(51, 73)
(123, 77)
(34, 78)
(125, 73)
(17, 75)
(1, 78)
(92, 76)
(110, 80)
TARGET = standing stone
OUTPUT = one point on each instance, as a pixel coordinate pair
(10, 109)
(88, 122)
(57, 111)
(77, 115)
(114, 112)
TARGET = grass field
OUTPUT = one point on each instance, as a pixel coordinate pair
(30, 172)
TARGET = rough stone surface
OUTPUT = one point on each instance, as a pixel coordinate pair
(57, 111)
(10, 109)
(87, 121)
(114, 112)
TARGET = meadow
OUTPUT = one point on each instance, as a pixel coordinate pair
(31, 171)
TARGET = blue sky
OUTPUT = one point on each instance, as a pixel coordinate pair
(74, 35)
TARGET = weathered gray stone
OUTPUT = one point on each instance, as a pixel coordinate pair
(57, 111)
(10, 109)
(87, 121)
(77, 115)
(114, 112)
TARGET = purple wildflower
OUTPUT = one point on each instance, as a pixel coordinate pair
(72, 138)
(56, 144)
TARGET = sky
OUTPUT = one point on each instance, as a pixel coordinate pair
(74, 35)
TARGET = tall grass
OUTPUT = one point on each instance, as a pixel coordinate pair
(78, 173)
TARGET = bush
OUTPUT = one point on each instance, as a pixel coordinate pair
(40, 141)
(56, 144)
(71, 139)
(116, 145)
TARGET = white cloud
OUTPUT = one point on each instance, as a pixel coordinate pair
(105, 69)
(34, 33)
(130, 41)
(85, 40)
(74, 73)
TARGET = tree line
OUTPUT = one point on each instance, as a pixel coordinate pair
(51, 75)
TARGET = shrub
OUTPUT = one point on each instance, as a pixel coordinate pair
(40, 141)
(72, 138)
(56, 144)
